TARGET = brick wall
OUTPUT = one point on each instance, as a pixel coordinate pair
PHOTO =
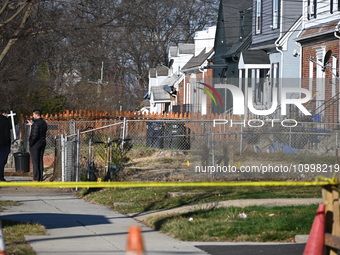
(199, 77)
(331, 111)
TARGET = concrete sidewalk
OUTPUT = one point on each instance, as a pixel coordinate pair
(79, 227)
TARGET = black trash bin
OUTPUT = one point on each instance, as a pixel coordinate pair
(176, 136)
(154, 134)
(22, 161)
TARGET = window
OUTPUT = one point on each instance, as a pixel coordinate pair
(311, 11)
(261, 86)
(334, 78)
(311, 73)
(334, 5)
(258, 17)
(242, 18)
(276, 16)
(274, 74)
(331, 3)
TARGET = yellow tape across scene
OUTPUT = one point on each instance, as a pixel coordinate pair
(328, 181)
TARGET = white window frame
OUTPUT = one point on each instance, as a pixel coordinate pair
(311, 73)
(258, 17)
(320, 53)
(311, 9)
(331, 6)
(334, 78)
(276, 14)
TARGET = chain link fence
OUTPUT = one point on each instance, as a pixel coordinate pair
(191, 150)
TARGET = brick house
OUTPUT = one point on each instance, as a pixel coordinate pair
(319, 40)
(253, 49)
(195, 91)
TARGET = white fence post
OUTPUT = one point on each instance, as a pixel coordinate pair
(62, 142)
(124, 130)
(77, 155)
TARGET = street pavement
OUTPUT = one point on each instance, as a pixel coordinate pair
(252, 248)
(78, 227)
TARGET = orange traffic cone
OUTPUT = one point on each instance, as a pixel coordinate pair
(2, 241)
(135, 245)
(315, 243)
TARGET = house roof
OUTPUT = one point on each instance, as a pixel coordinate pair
(319, 30)
(234, 23)
(186, 48)
(159, 93)
(173, 51)
(270, 44)
(258, 57)
(172, 80)
(182, 48)
(197, 61)
(228, 26)
(158, 71)
(238, 47)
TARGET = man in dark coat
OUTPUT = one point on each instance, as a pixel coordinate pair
(5, 142)
(37, 143)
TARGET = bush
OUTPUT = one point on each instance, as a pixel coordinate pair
(118, 158)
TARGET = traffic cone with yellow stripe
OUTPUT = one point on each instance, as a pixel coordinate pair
(2, 241)
(135, 245)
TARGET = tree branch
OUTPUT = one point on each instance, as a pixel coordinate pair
(14, 15)
(12, 41)
(4, 7)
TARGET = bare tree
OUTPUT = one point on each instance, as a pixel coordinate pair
(127, 36)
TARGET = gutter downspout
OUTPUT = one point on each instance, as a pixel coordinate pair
(300, 48)
(202, 72)
(277, 46)
(338, 36)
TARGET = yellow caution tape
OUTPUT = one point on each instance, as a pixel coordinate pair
(334, 179)
(102, 184)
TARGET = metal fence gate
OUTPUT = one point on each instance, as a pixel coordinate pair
(200, 149)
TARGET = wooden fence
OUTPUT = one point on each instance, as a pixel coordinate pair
(100, 118)
(88, 115)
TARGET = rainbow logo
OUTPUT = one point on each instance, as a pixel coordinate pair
(210, 94)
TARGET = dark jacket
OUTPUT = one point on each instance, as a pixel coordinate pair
(5, 132)
(38, 132)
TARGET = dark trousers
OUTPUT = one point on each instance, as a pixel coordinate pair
(3, 160)
(37, 156)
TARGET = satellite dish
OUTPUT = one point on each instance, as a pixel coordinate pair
(327, 57)
(167, 88)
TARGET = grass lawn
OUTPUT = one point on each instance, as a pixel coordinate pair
(14, 233)
(263, 224)
(134, 200)
(7, 203)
